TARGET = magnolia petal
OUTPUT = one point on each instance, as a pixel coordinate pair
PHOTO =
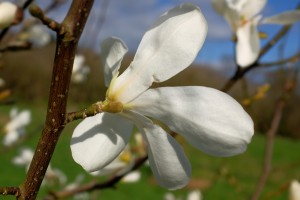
(167, 48)
(7, 14)
(210, 120)
(98, 140)
(237, 5)
(220, 6)
(113, 50)
(231, 15)
(252, 8)
(284, 18)
(168, 162)
(248, 44)
(111, 168)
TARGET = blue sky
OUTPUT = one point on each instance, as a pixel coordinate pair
(129, 19)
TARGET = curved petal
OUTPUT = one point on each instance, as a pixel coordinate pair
(113, 50)
(284, 18)
(252, 8)
(168, 162)
(236, 5)
(232, 15)
(210, 120)
(220, 6)
(167, 48)
(98, 140)
(248, 44)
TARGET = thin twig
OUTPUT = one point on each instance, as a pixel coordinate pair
(280, 105)
(37, 12)
(88, 112)
(10, 191)
(95, 185)
(291, 59)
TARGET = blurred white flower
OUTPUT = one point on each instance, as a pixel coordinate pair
(52, 175)
(24, 158)
(132, 177)
(15, 128)
(36, 34)
(192, 195)
(294, 192)
(8, 12)
(205, 117)
(243, 18)
(2, 82)
(80, 71)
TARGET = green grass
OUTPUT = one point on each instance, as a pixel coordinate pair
(217, 178)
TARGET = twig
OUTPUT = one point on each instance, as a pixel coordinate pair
(293, 58)
(95, 185)
(37, 12)
(280, 105)
(16, 47)
(10, 191)
(88, 112)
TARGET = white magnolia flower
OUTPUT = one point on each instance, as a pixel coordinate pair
(15, 128)
(80, 70)
(243, 18)
(208, 119)
(294, 192)
(8, 13)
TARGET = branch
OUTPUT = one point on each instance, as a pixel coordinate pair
(10, 191)
(67, 41)
(16, 47)
(88, 112)
(37, 12)
(280, 105)
(293, 58)
(94, 185)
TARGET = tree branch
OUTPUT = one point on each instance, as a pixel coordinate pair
(67, 41)
(88, 112)
(293, 58)
(95, 185)
(280, 105)
(37, 12)
(10, 191)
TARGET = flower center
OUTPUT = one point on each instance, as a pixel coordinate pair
(112, 106)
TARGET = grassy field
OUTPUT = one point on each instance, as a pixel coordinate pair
(218, 178)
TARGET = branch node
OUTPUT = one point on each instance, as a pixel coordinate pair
(37, 12)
